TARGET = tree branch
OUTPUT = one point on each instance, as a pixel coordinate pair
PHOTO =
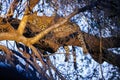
(11, 59)
(24, 20)
(22, 24)
(54, 68)
(109, 42)
(12, 7)
(58, 24)
(14, 36)
(111, 58)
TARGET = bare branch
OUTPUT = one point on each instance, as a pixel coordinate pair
(24, 20)
(22, 24)
(6, 50)
(46, 31)
(38, 55)
(32, 3)
(55, 69)
(35, 66)
(13, 36)
(58, 24)
(12, 8)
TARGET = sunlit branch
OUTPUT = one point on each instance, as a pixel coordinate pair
(76, 11)
(46, 31)
(22, 24)
(15, 37)
(19, 38)
(24, 20)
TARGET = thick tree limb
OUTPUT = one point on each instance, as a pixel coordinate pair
(13, 36)
(46, 31)
(76, 11)
(22, 24)
(24, 20)
(93, 47)
(109, 42)
(111, 58)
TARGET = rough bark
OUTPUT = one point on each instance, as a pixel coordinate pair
(93, 44)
